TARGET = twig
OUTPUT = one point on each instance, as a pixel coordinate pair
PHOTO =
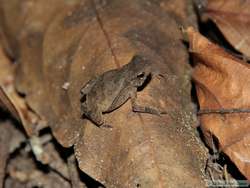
(223, 111)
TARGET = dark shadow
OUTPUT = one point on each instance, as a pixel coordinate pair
(146, 82)
(89, 182)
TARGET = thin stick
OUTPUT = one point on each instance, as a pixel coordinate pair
(223, 111)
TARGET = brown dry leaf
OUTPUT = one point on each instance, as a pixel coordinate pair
(27, 39)
(6, 78)
(10, 100)
(222, 81)
(16, 105)
(139, 150)
(83, 41)
(233, 19)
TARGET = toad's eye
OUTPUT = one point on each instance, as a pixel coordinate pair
(141, 75)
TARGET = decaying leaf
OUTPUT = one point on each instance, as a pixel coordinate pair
(100, 40)
(233, 19)
(61, 52)
(6, 78)
(222, 82)
(10, 100)
(29, 40)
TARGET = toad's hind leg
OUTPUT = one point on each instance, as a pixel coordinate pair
(93, 115)
(143, 109)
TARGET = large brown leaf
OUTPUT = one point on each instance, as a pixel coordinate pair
(128, 155)
(29, 47)
(222, 82)
(6, 81)
(89, 39)
(233, 19)
(10, 100)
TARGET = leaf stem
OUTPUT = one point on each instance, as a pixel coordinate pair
(223, 111)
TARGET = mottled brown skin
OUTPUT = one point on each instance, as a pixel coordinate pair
(113, 88)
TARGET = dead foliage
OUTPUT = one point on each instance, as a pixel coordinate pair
(222, 85)
(60, 51)
(232, 18)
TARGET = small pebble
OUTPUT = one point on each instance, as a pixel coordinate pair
(66, 85)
